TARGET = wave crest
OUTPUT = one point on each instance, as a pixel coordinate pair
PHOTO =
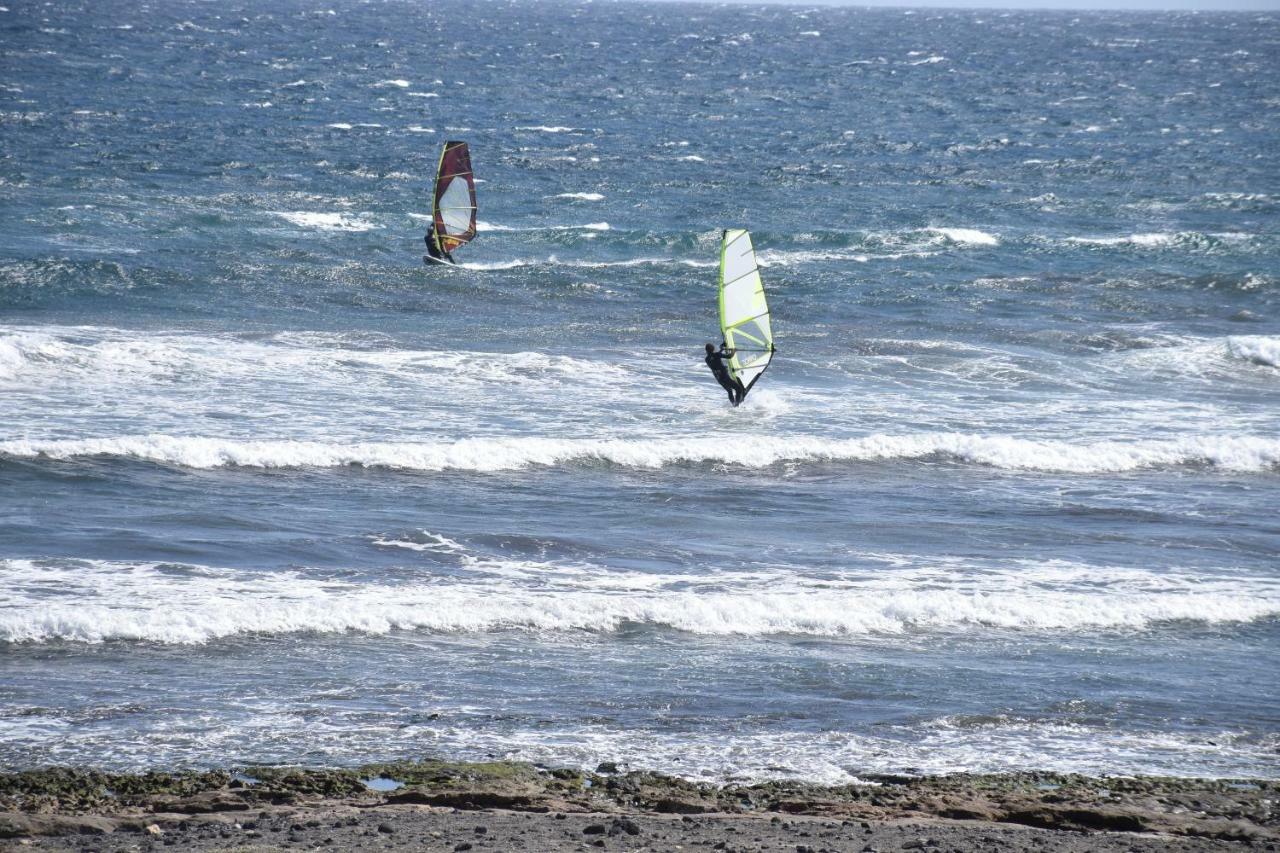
(1255, 348)
(1231, 453)
(181, 604)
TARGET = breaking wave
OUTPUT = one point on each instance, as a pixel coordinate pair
(100, 600)
(1186, 356)
(1227, 453)
(967, 236)
(1255, 348)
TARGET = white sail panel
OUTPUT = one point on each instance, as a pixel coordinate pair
(744, 312)
(455, 207)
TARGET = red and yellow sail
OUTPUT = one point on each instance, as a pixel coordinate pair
(454, 212)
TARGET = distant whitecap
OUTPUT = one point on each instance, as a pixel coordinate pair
(327, 221)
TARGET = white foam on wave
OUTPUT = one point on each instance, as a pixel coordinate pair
(1225, 452)
(340, 125)
(890, 245)
(1258, 349)
(582, 263)
(1148, 240)
(580, 196)
(97, 360)
(1186, 240)
(768, 403)
(830, 757)
(1234, 197)
(692, 158)
(25, 351)
(1193, 239)
(967, 236)
(778, 257)
(16, 352)
(396, 84)
(548, 129)
(481, 266)
(96, 600)
(928, 60)
(1211, 358)
(481, 225)
(326, 221)
(277, 731)
(425, 541)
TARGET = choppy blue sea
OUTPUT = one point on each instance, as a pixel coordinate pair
(273, 491)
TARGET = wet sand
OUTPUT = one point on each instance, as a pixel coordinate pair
(504, 806)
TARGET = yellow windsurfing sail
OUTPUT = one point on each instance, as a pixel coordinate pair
(744, 312)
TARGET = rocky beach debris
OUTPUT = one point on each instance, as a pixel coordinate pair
(507, 805)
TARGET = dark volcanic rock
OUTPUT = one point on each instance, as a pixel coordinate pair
(624, 825)
(1051, 817)
(59, 802)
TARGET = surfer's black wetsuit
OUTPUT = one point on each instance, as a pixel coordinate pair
(716, 361)
(432, 249)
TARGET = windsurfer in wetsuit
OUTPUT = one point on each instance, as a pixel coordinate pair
(433, 248)
(716, 361)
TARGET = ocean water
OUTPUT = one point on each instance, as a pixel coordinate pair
(273, 491)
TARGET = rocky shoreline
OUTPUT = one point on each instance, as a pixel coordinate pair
(434, 805)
